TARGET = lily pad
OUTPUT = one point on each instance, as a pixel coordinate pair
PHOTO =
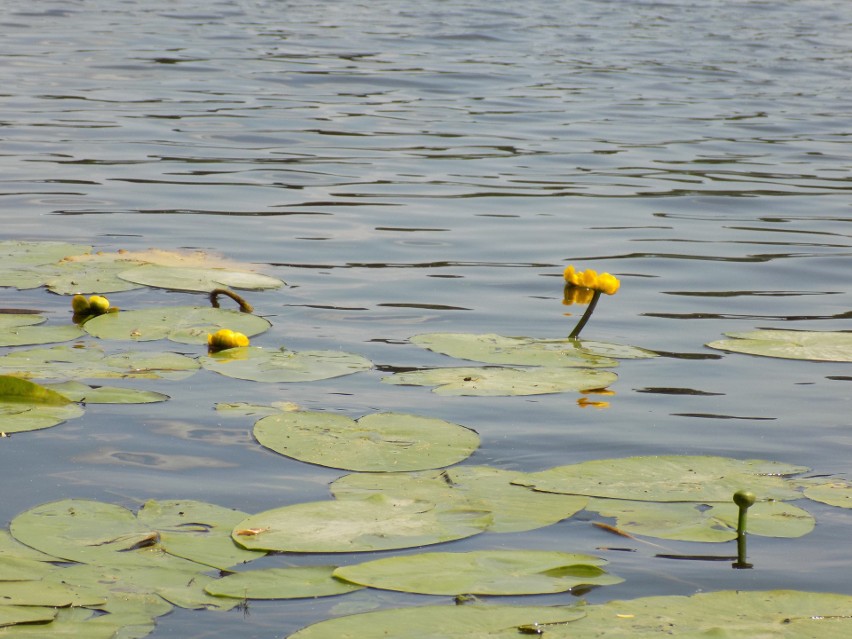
(64, 362)
(774, 613)
(834, 492)
(45, 593)
(514, 508)
(198, 279)
(823, 346)
(25, 406)
(22, 330)
(374, 523)
(379, 442)
(482, 572)
(442, 622)
(22, 569)
(79, 392)
(715, 522)
(497, 381)
(183, 324)
(11, 615)
(70, 277)
(281, 583)
(669, 478)
(263, 365)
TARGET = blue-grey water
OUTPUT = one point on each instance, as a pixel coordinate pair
(433, 166)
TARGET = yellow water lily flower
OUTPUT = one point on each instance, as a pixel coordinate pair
(98, 305)
(605, 282)
(225, 338)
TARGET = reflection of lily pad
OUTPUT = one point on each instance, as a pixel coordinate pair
(198, 279)
(775, 613)
(184, 324)
(824, 346)
(495, 381)
(443, 622)
(375, 523)
(483, 572)
(669, 478)
(20, 330)
(281, 583)
(264, 365)
(714, 522)
(514, 508)
(64, 362)
(378, 442)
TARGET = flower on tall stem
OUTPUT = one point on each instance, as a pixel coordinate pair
(585, 287)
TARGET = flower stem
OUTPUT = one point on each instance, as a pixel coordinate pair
(589, 310)
(245, 307)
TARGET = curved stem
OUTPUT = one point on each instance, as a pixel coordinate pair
(586, 315)
(245, 307)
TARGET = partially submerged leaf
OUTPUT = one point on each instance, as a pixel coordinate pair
(497, 381)
(264, 365)
(482, 572)
(15, 389)
(18, 329)
(823, 346)
(379, 442)
(375, 523)
(281, 583)
(25, 406)
(79, 392)
(198, 279)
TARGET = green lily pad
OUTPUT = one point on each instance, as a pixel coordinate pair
(15, 389)
(45, 593)
(183, 324)
(72, 623)
(514, 508)
(834, 492)
(70, 277)
(25, 406)
(715, 522)
(11, 547)
(669, 478)
(774, 613)
(11, 615)
(198, 279)
(79, 392)
(263, 365)
(374, 523)
(822, 346)
(64, 362)
(442, 622)
(496, 381)
(482, 572)
(22, 569)
(379, 442)
(281, 583)
(21, 330)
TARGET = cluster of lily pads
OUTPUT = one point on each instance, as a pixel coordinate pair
(95, 569)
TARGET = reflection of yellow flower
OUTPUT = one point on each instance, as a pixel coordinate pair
(605, 283)
(224, 339)
(577, 295)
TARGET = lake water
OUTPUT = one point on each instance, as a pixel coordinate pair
(433, 166)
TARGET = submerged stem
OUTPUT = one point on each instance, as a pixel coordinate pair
(589, 310)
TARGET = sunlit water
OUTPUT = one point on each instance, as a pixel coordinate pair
(433, 166)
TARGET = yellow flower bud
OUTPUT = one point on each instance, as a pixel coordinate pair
(80, 304)
(98, 305)
(605, 283)
(224, 339)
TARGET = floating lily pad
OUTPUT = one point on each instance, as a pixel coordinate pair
(11, 547)
(79, 392)
(442, 622)
(374, 523)
(65, 362)
(80, 622)
(71, 277)
(183, 324)
(668, 478)
(44, 593)
(514, 508)
(834, 492)
(701, 522)
(823, 346)
(482, 572)
(774, 613)
(11, 615)
(281, 583)
(198, 279)
(496, 381)
(25, 406)
(22, 569)
(379, 442)
(264, 365)
(22, 330)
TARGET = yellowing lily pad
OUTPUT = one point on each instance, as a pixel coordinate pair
(25, 406)
(823, 346)
(379, 442)
(497, 381)
(514, 508)
(183, 324)
(834, 492)
(18, 329)
(669, 478)
(443, 622)
(264, 365)
(198, 279)
(482, 572)
(375, 523)
(281, 583)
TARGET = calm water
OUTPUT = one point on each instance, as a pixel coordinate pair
(433, 166)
